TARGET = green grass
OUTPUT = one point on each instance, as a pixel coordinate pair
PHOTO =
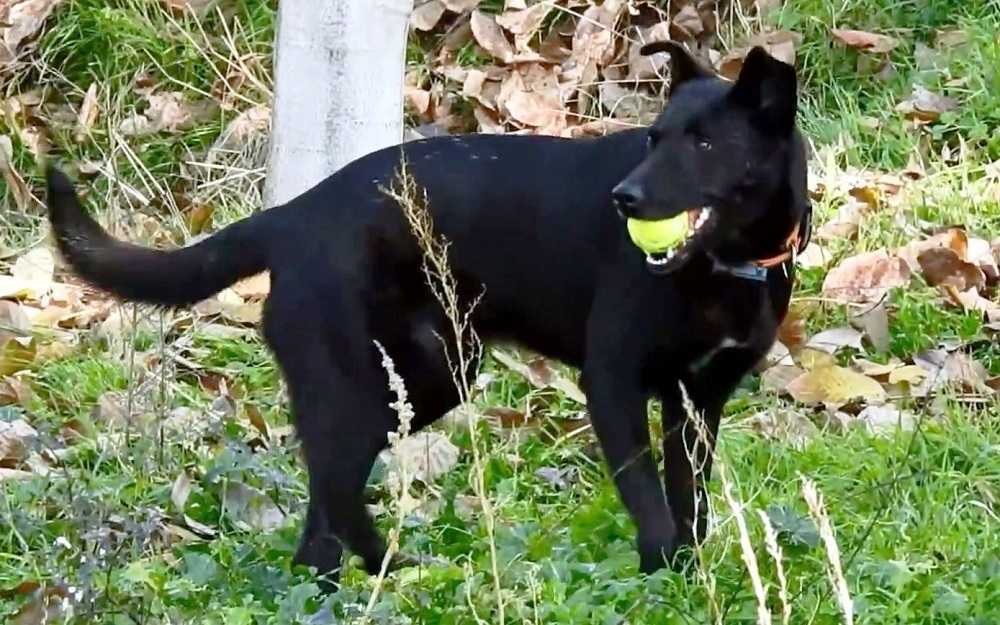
(915, 513)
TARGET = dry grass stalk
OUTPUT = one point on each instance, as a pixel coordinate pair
(468, 348)
(835, 571)
(400, 488)
(771, 541)
(697, 462)
(746, 549)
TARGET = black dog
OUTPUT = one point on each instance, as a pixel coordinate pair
(534, 221)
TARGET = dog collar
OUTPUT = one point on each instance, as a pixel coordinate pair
(746, 271)
(757, 270)
(794, 245)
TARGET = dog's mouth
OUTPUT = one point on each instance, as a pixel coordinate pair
(701, 223)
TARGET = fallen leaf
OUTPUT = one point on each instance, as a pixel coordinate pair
(16, 440)
(815, 255)
(427, 15)
(886, 419)
(972, 300)
(20, 22)
(31, 276)
(866, 277)
(198, 7)
(954, 239)
(792, 331)
(834, 339)
(541, 375)
(15, 181)
(865, 41)
(14, 391)
(835, 386)
(844, 224)
(169, 112)
(254, 287)
(17, 354)
(810, 358)
(950, 370)
(87, 116)
(783, 425)
(942, 266)
(180, 491)
(461, 6)
(875, 321)
(907, 374)
(925, 105)
(252, 123)
(524, 23)
(778, 377)
(251, 508)
(490, 37)
(426, 456)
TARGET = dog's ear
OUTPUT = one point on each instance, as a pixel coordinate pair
(683, 66)
(769, 88)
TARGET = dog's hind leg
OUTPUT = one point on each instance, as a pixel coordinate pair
(342, 418)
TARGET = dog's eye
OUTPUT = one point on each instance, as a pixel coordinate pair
(703, 144)
(651, 140)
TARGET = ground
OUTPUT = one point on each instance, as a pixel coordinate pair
(149, 471)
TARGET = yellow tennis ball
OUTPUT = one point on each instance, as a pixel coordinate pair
(655, 237)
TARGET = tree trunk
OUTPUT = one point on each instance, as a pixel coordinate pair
(339, 70)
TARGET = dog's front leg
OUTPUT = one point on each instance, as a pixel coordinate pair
(618, 412)
(687, 449)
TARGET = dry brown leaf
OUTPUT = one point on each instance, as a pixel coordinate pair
(87, 116)
(523, 24)
(810, 358)
(954, 239)
(249, 124)
(942, 266)
(426, 456)
(780, 44)
(834, 339)
(866, 277)
(778, 377)
(907, 374)
(865, 41)
(254, 287)
(490, 36)
(531, 95)
(427, 15)
(20, 22)
(792, 331)
(815, 255)
(835, 386)
(955, 370)
(541, 375)
(844, 224)
(169, 112)
(16, 440)
(925, 105)
(198, 7)
(784, 425)
(15, 182)
(461, 6)
(251, 508)
(972, 300)
(14, 391)
(875, 322)
(886, 419)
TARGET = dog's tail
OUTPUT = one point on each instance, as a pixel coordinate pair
(172, 278)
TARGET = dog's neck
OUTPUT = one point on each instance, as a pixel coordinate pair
(764, 245)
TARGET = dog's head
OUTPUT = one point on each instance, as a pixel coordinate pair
(720, 151)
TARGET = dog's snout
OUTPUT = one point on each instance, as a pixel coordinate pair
(628, 197)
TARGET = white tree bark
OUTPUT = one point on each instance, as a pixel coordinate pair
(338, 89)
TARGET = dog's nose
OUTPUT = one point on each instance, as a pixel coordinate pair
(627, 196)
